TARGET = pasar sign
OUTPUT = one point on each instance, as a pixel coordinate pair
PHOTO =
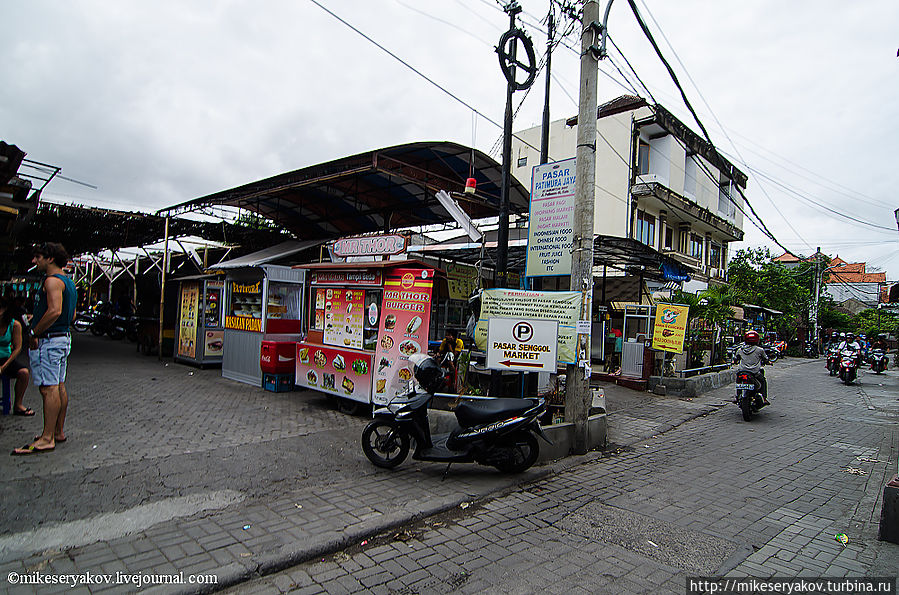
(522, 345)
(383, 245)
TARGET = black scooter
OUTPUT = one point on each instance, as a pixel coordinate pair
(878, 360)
(500, 433)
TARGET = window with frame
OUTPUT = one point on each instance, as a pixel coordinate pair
(715, 256)
(695, 246)
(669, 238)
(642, 158)
(646, 228)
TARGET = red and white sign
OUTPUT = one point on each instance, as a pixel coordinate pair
(383, 245)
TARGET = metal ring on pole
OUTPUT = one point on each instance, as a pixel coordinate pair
(508, 58)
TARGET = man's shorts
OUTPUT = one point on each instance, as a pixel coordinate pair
(48, 361)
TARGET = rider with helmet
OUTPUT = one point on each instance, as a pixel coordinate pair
(853, 345)
(880, 342)
(750, 358)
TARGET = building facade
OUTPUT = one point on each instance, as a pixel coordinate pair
(657, 182)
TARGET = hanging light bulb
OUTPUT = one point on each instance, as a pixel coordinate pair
(471, 186)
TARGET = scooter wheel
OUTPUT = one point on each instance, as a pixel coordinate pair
(746, 408)
(521, 451)
(385, 444)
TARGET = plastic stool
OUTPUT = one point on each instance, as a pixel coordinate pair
(7, 403)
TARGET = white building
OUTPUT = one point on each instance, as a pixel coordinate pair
(657, 182)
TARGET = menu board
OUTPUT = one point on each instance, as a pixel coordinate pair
(403, 330)
(337, 371)
(343, 315)
(187, 329)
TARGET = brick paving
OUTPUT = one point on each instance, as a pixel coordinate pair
(297, 488)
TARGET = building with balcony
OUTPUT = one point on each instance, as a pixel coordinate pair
(657, 182)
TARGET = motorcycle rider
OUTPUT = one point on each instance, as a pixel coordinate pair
(750, 358)
(852, 344)
(880, 342)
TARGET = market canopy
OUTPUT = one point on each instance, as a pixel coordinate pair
(376, 191)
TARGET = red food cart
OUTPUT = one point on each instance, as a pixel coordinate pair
(365, 320)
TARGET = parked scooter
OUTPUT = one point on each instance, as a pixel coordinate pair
(848, 365)
(749, 394)
(772, 352)
(833, 361)
(878, 360)
(500, 433)
(83, 322)
(101, 318)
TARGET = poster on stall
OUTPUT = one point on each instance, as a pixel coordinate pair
(343, 314)
(187, 329)
(551, 229)
(403, 330)
(340, 372)
(670, 327)
(561, 306)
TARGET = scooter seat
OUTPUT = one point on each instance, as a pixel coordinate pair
(475, 413)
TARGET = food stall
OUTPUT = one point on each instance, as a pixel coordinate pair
(200, 324)
(262, 302)
(364, 321)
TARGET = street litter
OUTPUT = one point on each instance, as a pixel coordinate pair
(842, 538)
(246, 527)
(464, 505)
(652, 543)
(364, 542)
(855, 471)
(190, 373)
(298, 505)
(403, 536)
(245, 555)
(868, 460)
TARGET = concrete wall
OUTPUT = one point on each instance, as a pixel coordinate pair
(690, 387)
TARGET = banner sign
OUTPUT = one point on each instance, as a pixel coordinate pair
(403, 330)
(670, 327)
(551, 227)
(523, 345)
(187, 329)
(462, 280)
(336, 371)
(383, 245)
(559, 306)
(346, 277)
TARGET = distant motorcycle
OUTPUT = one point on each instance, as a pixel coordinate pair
(772, 352)
(811, 350)
(83, 322)
(878, 360)
(833, 361)
(848, 365)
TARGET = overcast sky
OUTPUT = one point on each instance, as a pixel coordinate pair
(160, 102)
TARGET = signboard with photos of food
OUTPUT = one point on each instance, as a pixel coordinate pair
(405, 320)
(341, 315)
(187, 329)
(341, 372)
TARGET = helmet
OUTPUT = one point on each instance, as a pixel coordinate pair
(862, 336)
(427, 372)
(751, 337)
(842, 335)
(882, 336)
(850, 335)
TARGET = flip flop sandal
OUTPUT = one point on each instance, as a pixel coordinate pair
(29, 449)
(27, 412)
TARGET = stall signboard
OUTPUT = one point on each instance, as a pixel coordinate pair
(379, 245)
(245, 312)
(403, 330)
(341, 372)
(523, 345)
(670, 327)
(359, 277)
(560, 306)
(343, 315)
(187, 329)
(214, 343)
(462, 280)
(551, 228)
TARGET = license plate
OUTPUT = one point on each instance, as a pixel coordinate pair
(744, 386)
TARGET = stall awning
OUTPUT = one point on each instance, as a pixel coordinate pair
(277, 252)
(385, 189)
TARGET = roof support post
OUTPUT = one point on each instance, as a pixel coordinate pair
(165, 268)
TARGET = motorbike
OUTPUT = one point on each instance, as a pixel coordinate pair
(848, 365)
(749, 394)
(833, 361)
(83, 322)
(811, 350)
(496, 432)
(772, 352)
(101, 319)
(878, 360)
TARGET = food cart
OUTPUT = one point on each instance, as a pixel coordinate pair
(364, 321)
(263, 301)
(200, 324)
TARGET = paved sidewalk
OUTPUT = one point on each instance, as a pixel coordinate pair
(132, 420)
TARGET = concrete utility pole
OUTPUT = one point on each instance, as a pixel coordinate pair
(577, 391)
(819, 272)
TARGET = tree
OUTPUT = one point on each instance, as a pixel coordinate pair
(755, 278)
(874, 321)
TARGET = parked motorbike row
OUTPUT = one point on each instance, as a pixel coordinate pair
(102, 320)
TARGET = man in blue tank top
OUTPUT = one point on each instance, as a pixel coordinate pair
(51, 343)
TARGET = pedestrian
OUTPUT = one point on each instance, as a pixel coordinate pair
(51, 343)
(11, 340)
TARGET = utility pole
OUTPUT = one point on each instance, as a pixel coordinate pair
(577, 391)
(544, 136)
(818, 281)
